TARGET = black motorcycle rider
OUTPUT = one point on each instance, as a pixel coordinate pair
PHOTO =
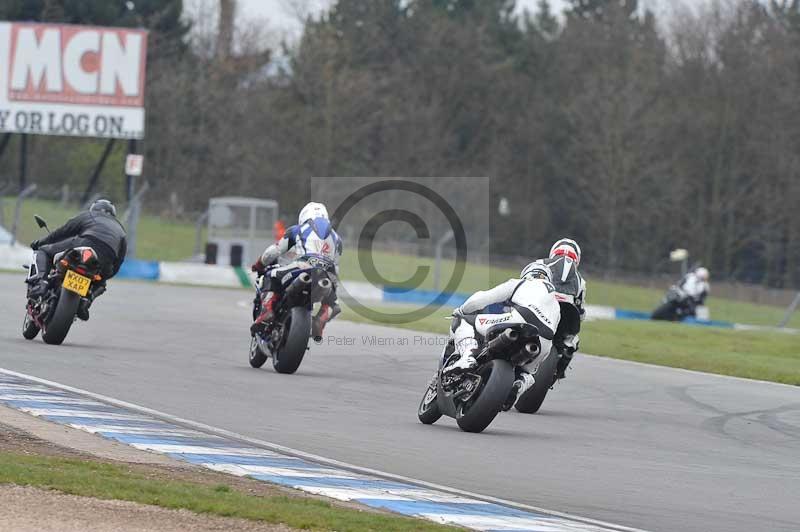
(97, 228)
(563, 261)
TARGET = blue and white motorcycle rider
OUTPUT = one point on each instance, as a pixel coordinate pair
(312, 239)
(532, 295)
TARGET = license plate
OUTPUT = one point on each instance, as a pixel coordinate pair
(76, 283)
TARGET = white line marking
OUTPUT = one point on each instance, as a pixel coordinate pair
(120, 429)
(613, 360)
(82, 413)
(245, 470)
(352, 494)
(169, 448)
(483, 522)
(27, 388)
(312, 457)
(52, 400)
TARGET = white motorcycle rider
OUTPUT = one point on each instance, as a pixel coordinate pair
(530, 299)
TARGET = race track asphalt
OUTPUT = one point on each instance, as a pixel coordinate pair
(636, 445)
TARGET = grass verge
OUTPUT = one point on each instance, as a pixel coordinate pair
(753, 355)
(109, 481)
(158, 239)
(399, 268)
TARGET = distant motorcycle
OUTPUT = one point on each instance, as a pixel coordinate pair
(75, 275)
(285, 339)
(676, 306)
(475, 398)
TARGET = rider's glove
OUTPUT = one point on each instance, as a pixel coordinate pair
(258, 267)
(35, 245)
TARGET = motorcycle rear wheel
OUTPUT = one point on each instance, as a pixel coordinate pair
(55, 330)
(297, 330)
(478, 413)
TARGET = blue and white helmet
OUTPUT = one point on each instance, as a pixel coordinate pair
(537, 270)
(312, 211)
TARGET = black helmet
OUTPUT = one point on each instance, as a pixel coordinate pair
(104, 206)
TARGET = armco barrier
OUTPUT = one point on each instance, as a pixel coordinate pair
(198, 274)
(13, 257)
(422, 297)
(139, 269)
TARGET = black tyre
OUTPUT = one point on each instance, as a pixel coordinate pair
(428, 411)
(55, 330)
(257, 357)
(29, 327)
(290, 354)
(665, 312)
(545, 375)
(478, 413)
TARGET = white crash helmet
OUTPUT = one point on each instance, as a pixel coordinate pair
(702, 273)
(537, 270)
(311, 211)
(568, 248)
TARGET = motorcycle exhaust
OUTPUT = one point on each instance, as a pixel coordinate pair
(324, 286)
(300, 283)
(503, 340)
(533, 349)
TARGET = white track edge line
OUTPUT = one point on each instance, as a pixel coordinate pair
(312, 457)
(689, 371)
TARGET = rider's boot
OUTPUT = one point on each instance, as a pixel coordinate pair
(326, 313)
(37, 283)
(563, 363)
(83, 309)
(467, 359)
(86, 302)
(267, 313)
(523, 383)
(566, 352)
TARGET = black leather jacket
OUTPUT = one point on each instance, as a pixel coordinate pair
(103, 229)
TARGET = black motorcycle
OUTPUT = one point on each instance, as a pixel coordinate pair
(676, 306)
(74, 276)
(474, 398)
(285, 339)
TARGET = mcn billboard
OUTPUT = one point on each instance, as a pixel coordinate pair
(85, 81)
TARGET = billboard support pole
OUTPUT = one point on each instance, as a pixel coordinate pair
(95, 177)
(23, 161)
(4, 143)
(132, 219)
(130, 181)
(790, 310)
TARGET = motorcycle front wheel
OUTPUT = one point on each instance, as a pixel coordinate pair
(29, 327)
(257, 357)
(428, 411)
